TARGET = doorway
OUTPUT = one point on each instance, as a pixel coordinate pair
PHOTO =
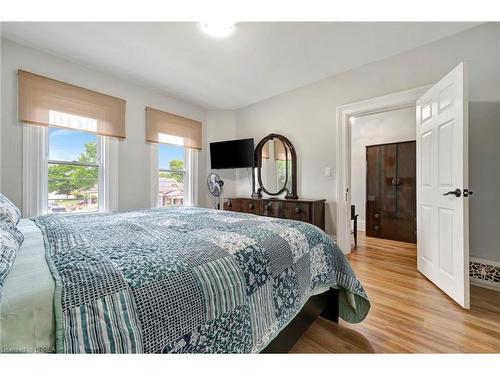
(383, 175)
(442, 177)
(400, 101)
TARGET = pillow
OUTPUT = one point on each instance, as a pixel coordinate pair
(8, 211)
(9, 247)
(4, 226)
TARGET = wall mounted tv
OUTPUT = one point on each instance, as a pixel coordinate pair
(232, 154)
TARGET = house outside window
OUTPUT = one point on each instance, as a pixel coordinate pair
(171, 175)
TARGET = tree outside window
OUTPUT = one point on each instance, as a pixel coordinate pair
(171, 175)
(73, 185)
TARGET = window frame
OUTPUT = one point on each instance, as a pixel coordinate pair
(99, 164)
(183, 171)
(35, 171)
(190, 175)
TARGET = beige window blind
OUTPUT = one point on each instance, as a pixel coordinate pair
(279, 150)
(280, 153)
(164, 127)
(47, 102)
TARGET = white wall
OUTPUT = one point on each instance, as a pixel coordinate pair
(307, 117)
(484, 176)
(220, 126)
(134, 174)
(387, 127)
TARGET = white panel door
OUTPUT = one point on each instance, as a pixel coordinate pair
(442, 185)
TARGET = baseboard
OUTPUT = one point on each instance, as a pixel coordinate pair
(484, 273)
(485, 284)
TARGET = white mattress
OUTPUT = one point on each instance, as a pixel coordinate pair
(27, 300)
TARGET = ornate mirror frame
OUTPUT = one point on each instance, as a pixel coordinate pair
(290, 194)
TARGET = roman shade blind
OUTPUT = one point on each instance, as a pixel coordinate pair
(279, 150)
(164, 127)
(47, 102)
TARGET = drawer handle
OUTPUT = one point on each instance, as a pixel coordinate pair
(251, 206)
(267, 207)
(297, 210)
(376, 227)
(376, 216)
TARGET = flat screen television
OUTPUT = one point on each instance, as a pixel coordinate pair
(232, 154)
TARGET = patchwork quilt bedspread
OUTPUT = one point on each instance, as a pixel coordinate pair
(177, 280)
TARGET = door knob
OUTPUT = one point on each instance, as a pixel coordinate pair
(396, 181)
(468, 192)
(457, 193)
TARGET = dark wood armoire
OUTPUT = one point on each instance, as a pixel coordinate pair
(391, 191)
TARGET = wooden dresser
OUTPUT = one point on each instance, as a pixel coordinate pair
(310, 211)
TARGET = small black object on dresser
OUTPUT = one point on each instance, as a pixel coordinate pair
(308, 210)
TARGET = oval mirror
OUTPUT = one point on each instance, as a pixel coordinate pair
(276, 169)
(275, 166)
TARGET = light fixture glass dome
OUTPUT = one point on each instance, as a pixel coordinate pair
(217, 29)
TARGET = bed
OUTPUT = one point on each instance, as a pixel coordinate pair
(169, 280)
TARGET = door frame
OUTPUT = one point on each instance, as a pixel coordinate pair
(385, 103)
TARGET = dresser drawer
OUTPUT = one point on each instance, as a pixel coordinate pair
(296, 211)
(230, 204)
(249, 206)
(287, 209)
(310, 211)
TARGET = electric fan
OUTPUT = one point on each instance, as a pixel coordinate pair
(215, 184)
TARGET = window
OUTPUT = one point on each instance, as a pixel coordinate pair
(281, 175)
(73, 171)
(175, 142)
(172, 175)
(72, 168)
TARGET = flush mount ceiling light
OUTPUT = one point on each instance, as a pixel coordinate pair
(217, 29)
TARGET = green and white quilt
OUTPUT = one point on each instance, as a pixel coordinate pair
(177, 280)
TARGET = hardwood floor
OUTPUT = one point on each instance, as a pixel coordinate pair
(408, 313)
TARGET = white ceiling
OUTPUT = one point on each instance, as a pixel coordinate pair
(257, 61)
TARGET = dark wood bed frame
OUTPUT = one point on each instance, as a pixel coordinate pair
(325, 304)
